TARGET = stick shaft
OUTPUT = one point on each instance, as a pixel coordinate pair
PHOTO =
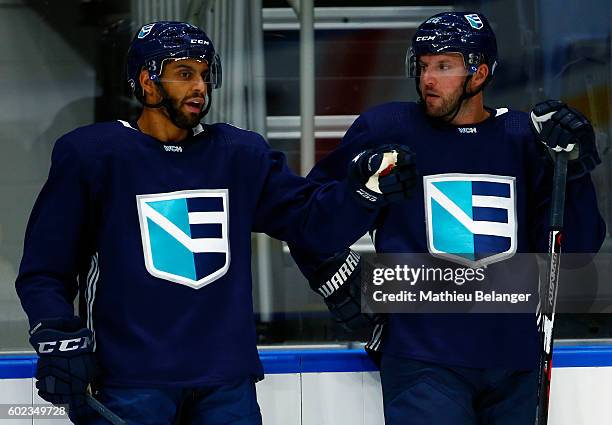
(546, 315)
(104, 411)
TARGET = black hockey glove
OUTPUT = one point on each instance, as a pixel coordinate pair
(338, 280)
(382, 175)
(563, 128)
(66, 363)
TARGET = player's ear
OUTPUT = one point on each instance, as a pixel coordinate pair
(149, 90)
(480, 76)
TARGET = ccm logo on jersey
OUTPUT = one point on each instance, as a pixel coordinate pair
(171, 148)
(467, 130)
(340, 277)
(64, 345)
(426, 38)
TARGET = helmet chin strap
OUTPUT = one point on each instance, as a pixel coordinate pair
(464, 96)
(208, 101)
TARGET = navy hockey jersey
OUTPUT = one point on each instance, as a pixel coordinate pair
(157, 237)
(498, 157)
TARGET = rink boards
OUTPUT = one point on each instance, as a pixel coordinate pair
(342, 387)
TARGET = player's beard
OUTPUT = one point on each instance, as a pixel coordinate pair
(448, 105)
(181, 119)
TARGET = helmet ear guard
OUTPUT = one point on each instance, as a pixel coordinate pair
(215, 72)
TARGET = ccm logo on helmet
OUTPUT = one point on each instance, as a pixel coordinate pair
(198, 41)
(426, 38)
(64, 345)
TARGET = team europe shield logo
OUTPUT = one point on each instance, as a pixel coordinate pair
(185, 235)
(471, 218)
(474, 21)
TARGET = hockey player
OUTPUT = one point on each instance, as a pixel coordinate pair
(462, 368)
(150, 222)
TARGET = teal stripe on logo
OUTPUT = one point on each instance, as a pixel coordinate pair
(169, 255)
(449, 235)
(460, 192)
(174, 210)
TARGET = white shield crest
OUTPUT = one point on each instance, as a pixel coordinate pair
(471, 218)
(185, 235)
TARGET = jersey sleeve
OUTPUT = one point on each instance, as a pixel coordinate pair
(319, 216)
(47, 279)
(333, 168)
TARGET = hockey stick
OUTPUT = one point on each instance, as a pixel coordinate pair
(104, 411)
(546, 311)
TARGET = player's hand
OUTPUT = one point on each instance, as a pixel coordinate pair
(563, 128)
(338, 280)
(382, 175)
(66, 363)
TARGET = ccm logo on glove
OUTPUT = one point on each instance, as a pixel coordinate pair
(63, 345)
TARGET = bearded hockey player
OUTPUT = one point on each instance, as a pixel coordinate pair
(462, 368)
(149, 222)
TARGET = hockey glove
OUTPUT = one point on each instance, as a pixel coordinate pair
(338, 280)
(382, 175)
(563, 128)
(66, 363)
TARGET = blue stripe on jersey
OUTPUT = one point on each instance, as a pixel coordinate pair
(206, 230)
(208, 262)
(498, 215)
(491, 189)
(485, 245)
(214, 203)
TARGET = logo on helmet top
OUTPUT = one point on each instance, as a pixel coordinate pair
(474, 21)
(145, 30)
(426, 38)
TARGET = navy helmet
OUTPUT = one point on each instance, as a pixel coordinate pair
(159, 41)
(467, 33)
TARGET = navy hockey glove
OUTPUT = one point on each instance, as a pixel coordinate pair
(66, 363)
(563, 128)
(382, 175)
(338, 280)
